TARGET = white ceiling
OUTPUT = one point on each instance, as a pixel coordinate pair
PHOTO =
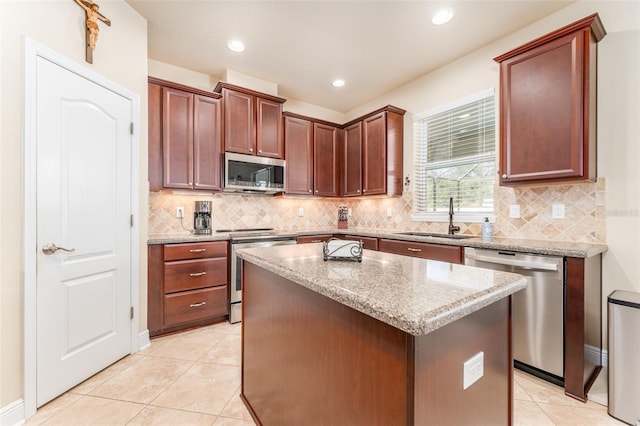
(375, 46)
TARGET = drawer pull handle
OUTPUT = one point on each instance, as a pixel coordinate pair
(413, 249)
(195, 305)
(197, 274)
(197, 250)
(316, 241)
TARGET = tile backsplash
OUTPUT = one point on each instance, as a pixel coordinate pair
(584, 212)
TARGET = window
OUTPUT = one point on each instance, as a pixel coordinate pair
(454, 156)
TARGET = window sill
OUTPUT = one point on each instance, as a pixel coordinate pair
(465, 217)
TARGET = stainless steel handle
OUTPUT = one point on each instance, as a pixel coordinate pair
(197, 250)
(513, 262)
(195, 305)
(413, 249)
(197, 274)
(316, 241)
(51, 248)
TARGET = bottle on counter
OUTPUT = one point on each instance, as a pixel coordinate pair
(487, 229)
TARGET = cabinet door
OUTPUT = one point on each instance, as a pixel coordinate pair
(542, 103)
(325, 160)
(269, 141)
(177, 138)
(239, 133)
(352, 163)
(207, 143)
(155, 137)
(374, 155)
(299, 155)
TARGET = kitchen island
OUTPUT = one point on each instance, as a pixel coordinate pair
(385, 341)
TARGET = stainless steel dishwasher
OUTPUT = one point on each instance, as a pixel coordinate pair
(538, 310)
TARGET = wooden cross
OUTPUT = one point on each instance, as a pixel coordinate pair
(91, 37)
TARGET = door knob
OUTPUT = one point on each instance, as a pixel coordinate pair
(51, 248)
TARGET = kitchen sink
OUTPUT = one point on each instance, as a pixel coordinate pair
(432, 234)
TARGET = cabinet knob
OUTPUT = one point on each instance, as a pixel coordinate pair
(316, 191)
(251, 149)
(358, 191)
(364, 190)
(310, 191)
(260, 151)
(504, 176)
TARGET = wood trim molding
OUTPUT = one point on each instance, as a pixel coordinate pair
(592, 21)
(222, 85)
(179, 86)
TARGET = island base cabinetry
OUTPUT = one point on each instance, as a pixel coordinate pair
(307, 359)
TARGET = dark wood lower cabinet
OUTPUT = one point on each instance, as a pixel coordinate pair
(187, 286)
(445, 253)
(309, 360)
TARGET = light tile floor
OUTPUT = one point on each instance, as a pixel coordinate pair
(193, 378)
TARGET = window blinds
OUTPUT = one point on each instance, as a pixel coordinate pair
(455, 157)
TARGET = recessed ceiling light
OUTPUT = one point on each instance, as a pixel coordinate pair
(338, 83)
(442, 17)
(236, 45)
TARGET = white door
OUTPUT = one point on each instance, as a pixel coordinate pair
(83, 164)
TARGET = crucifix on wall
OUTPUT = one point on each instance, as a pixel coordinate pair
(91, 10)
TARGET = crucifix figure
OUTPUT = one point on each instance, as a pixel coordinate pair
(91, 10)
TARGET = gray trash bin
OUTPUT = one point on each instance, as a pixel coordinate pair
(624, 356)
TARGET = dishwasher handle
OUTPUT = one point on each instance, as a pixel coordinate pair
(513, 262)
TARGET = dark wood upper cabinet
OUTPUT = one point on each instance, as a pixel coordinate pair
(547, 106)
(380, 153)
(326, 160)
(352, 161)
(184, 137)
(252, 121)
(298, 134)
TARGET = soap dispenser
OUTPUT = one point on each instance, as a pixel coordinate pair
(487, 230)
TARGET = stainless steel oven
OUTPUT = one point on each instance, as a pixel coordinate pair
(241, 240)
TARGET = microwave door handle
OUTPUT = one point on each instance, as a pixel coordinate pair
(513, 262)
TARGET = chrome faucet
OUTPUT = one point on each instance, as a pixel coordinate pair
(452, 229)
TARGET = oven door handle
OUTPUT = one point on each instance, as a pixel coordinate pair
(513, 262)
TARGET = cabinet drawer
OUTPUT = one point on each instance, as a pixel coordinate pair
(194, 250)
(195, 305)
(192, 274)
(452, 254)
(370, 243)
(313, 239)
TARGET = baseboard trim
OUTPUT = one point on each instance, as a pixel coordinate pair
(13, 413)
(144, 341)
(596, 356)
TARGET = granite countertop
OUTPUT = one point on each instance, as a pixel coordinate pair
(543, 247)
(415, 295)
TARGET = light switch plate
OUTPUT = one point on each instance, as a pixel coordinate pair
(300, 212)
(389, 212)
(473, 370)
(514, 211)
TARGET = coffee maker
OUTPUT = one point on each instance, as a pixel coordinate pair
(202, 217)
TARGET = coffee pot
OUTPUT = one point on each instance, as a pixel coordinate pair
(202, 217)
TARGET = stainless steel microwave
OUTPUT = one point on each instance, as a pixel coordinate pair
(253, 174)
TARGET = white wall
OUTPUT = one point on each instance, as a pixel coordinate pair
(121, 57)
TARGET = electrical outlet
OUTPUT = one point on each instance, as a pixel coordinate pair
(300, 212)
(349, 213)
(514, 211)
(557, 211)
(179, 212)
(473, 370)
